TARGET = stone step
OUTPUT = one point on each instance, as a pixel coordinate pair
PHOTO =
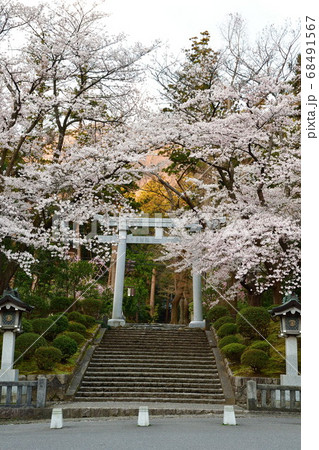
(152, 373)
(147, 364)
(158, 371)
(97, 381)
(158, 393)
(146, 388)
(215, 401)
(154, 363)
(151, 358)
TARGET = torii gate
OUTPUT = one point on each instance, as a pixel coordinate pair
(123, 238)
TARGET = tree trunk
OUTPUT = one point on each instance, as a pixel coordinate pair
(7, 272)
(254, 299)
(277, 295)
(181, 291)
(152, 294)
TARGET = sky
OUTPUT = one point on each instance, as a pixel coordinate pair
(175, 21)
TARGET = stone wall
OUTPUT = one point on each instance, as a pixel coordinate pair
(56, 387)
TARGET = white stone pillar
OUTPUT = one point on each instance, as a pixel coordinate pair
(7, 373)
(197, 321)
(117, 314)
(291, 378)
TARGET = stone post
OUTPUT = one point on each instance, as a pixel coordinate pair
(7, 373)
(197, 321)
(41, 392)
(117, 314)
(291, 378)
(251, 395)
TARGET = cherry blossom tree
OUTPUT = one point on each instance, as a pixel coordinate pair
(67, 90)
(245, 169)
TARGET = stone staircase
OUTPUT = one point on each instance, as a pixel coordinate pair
(152, 363)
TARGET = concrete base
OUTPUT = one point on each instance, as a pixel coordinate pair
(229, 415)
(290, 380)
(143, 417)
(197, 324)
(9, 375)
(56, 418)
(116, 322)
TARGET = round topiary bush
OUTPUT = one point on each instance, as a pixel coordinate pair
(256, 359)
(29, 342)
(47, 357)
(78, 327)
(230, 339)
(61, 322)
(67, 345)
(216, 312)
(79, 338)
(225, 319)
(60, 304)
(76, 316)
(26, 325)
(45, 325)
(253, 318)
(89, 320)
(226, 329)
(261, 345)
(233, 351)
(92, 307)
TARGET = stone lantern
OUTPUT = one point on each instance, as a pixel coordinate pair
(11, 309)
(290, 326)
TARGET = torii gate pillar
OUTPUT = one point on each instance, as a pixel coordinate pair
(197, 321)
(117, 313)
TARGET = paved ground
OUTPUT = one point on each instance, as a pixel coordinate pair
(170, 433)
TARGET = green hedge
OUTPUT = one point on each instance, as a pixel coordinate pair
(216, 312)
(61, 323)
(47, 357)
(256, 359)
(77, 327)
(79, 338)
(29, 342)
(67, 345)
(233, 351)
(230, 339)
(261, 345)
(226, 329)
(45, 325)
(222, 320)
(251, 318)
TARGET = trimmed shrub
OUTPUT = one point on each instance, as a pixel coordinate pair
(61, 324)
(216, 312)
(233, 351)
(90, 321)
(92, 307)
(47, 357)
(226, 329)
(76, 316)
(42, 325)
(26, 325)
(225, 319)
(256, 359)
(261, 345)
(67, 345)
(77, 327)
(60, 304)
(79, 338)
(230, 339)
(257, 316)
(32, 340)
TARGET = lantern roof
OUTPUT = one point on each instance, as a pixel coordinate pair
(11, 296)
(293, 307)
